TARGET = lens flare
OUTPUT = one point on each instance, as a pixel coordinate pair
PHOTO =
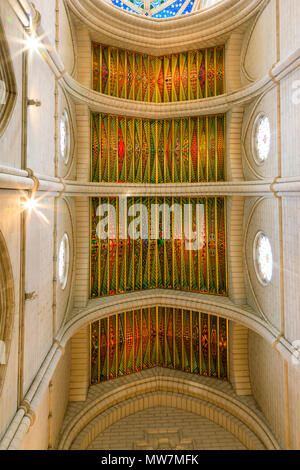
(32, 205)
(32, 42)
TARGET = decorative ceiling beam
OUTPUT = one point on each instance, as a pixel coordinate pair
(243, 188)
(221, 306)
(26, 180)
(280, 187)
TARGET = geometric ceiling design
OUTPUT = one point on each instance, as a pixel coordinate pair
(182, 76)
(135, 150)
(165, 337)
(143, 243)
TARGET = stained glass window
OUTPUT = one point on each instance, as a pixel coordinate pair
(63, 261)
(166, 337)
(65, 137)
(176, 77)
(263, 258)
(262, 138)
(161, 9)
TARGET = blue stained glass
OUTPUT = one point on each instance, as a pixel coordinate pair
(156, 4)
(171, 10)
(122, 5)
(188, 8)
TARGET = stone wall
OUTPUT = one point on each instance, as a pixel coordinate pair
(165, 428)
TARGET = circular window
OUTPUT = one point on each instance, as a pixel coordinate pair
(63, 261)
(64, 129)
(261, 138)
(263, 258)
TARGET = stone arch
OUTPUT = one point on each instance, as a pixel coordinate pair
(220, 306)
(6, 303)
(8, 89)
(109, 403)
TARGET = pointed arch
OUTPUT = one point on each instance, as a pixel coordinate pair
(6, 304)
(143, 390)
(8, 88)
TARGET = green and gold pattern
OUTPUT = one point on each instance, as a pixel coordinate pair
(133, 150)
(167, 337)
(177, 77)
(126, 265)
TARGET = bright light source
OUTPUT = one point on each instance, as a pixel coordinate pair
(32, 42)
(30, 204)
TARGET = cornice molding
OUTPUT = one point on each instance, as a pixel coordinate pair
(27, 180)
(112, 25)
(240, 188)
(99, 102)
